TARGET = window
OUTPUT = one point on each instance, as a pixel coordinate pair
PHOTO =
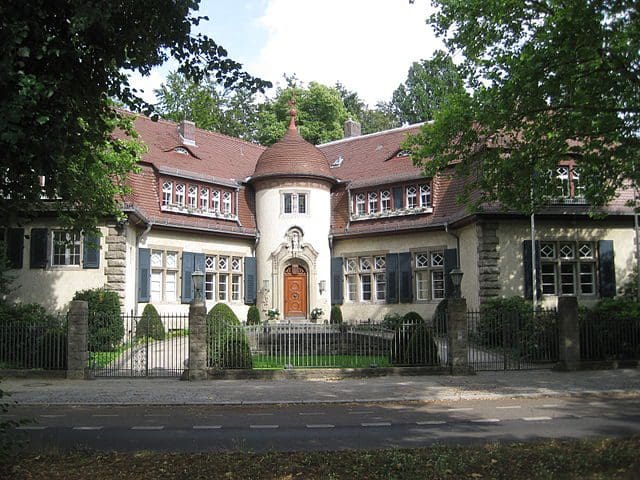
(229, 275)
(373, 202)
(210, 262)
(164, 276)
(204, 198)
(425, 195)
(360, 204)
(366, 279)
(429, 275)
(226, 202)
(66, 248)
(215, 201)
(412, 197)
(568, 182)
(293, 203)
(167, 193)
(567, 268)
(180, 194)
(385, 201)
(192, 198)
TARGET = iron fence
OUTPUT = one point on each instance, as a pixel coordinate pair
(512, 340)
(309, 345)
(607, 339)
(34, 344)
(138, 346)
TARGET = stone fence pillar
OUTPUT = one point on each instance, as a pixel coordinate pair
(77, 339)
(568, 333)
(197, 369)
(458, 338)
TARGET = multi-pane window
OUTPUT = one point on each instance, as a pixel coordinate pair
(568, 182)
(210, 263)
(373, 202)
(204, 198)
(192, 198)
(229, 275)
(294, 203)
(425, 195)
(167, 193)
(412, 196)
(360, 203)
(567, 268)
(385, 200)
(226, 202)
(66, 248)
(365, 278)
(215, 201)
(180, 194)
(429, 274)
(164, 276)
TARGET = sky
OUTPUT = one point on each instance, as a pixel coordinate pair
(367, 45)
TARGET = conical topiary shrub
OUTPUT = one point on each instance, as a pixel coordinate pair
(253, 316)
(336, 315)
(150, 325)
(227, 342)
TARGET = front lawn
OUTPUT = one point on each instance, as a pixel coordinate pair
(272, 362)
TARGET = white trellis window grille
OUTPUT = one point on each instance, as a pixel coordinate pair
(167, 193)
(564, 187)
(385, 200)
(365, 278)
(226, 202)
(204, 198)
(210, 262)
(164, 275)
(66, 248)
(567, 268)
(192, 197)
(180, 194)
(351, 268)
(360, 198)
(223, 278)
(429, 275)
(412, 196)
(373, 202)
(215, 201)
(425, 195)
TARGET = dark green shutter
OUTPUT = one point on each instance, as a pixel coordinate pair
(391, 262)
(606, 269)
(250, 272)
(15, 247)
(406, 285)
(144, 274)
(398, 196)
(337, 281)
(450, 262)
(91, 251)
(188, 267)
(528, 269)
(38, 246)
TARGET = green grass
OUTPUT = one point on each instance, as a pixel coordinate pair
(268, 362)
(102, 359)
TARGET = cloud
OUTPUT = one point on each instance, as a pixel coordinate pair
(367, 45)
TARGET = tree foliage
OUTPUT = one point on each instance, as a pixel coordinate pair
(62, 63)
(381, 117)
(425, 91)
(552, 80)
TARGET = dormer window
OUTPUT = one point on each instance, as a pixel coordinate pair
(193, 196)
(196, 198)
(181, 150)
(167, 193)
(568, 182)
(337, 162)
(403, 153)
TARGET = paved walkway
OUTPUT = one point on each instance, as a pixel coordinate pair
(380, 389)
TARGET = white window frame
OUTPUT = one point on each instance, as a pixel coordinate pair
(360, 203)
(294, 203)
(385, 200)
(164, 273)
(215, 201)
(226, 203)
(412, 196)
(365, 278)
(167, 192)
(192, 196)
(429, 275)
(67, 249)
(180, 192)
(204, 198)
(373, 202)
(578, 267)
(425, 195)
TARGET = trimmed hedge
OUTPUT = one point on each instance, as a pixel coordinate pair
(150, 325)
(413, 342)
(106, 328)
(227, 342)
(335, 317)
(253, 316)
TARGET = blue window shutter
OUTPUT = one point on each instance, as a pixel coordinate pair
(250, 272)
(450, 262)
(528, 269)
(15, 247)
(391, 261)
(406, 285)
(144, 274)
(336, 281)
(398, 196)
(91, 251)
(38, 246)
(188, 266)
(606, 269)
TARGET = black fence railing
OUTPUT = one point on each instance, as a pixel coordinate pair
(607, 339)
(308, 345)
(512, 340)
(134, 346)
(33, 344)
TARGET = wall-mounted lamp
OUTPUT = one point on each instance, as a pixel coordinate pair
(265, 285)
(197, 276)
(456, 280)
(322, 286)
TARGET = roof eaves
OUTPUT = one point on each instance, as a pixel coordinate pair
(176, 172)
(371, 135)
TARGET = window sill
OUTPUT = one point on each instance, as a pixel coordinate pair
(391, 213)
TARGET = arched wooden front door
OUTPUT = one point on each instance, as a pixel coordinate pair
(295, 291)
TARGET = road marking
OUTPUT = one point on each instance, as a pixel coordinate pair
(148, 427)
(52, 416)
(311, 413)
(597, 404)
(259, 414)
(264, 426)
(376, 424)
(105, 415)
(321, 425)
(87, 428)
(466, 409)
(550, 405)
(7, 415)
(431, 422)
(535, 419)
(207, 427)
(27, 427)
(509, 407)
(485, 420)
(156, 415)
(360, 412)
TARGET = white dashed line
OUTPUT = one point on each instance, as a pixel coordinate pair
(309, 414)
(87, 428)
(466, 409)
(509, 407)
(376, 424)
(259, 414)
(163, 415)
(105, 415)
(431, 422)
(264, 426)
(597, 404)
(550, 405)
(485, 420)
(52, 416)
(361, 412)
(148, 427)
(321, 425)
(535, 419)
(27, 427)
(207, 427)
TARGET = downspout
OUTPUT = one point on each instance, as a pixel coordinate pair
(136, 275)
(446, 229)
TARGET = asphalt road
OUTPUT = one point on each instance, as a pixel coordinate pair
(323, 427)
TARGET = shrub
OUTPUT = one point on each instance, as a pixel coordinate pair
(150, 325)
(618, 308)
(412, 317)
(420, 349)
(392, 321)
(253, 316)
(106, 328)
(227, 342)
(439, 318)
(335, 317)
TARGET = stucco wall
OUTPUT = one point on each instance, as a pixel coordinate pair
(513, 233)
(469, 265)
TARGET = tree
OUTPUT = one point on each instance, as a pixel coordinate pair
(373, 120)
(553, 80)
(62, 63)
(428, 85)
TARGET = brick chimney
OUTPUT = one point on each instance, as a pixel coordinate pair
(352, 129)
(187, 131)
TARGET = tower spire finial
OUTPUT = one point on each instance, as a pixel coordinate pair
(292, 112)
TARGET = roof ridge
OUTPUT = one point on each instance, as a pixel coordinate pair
(374, 134)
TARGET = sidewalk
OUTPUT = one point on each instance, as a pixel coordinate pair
(30, 391)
